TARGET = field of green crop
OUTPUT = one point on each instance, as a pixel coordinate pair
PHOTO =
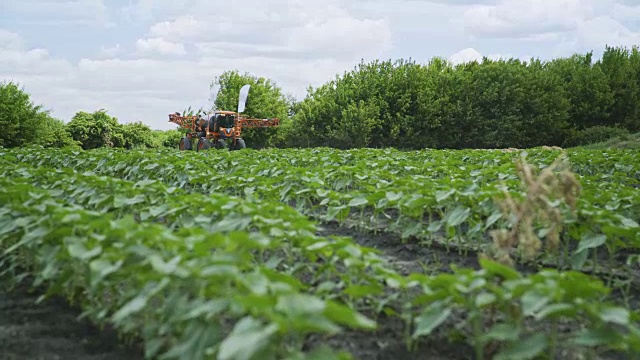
(327, 254)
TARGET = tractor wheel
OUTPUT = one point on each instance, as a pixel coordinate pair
(185, 144)
(240, 144)
(204, 144)
(221, 144)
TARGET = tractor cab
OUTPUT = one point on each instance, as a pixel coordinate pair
(221, 120)
(223, 123)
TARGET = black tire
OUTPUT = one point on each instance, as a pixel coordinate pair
(204, 144)
(240, 144)
(185, 144)
(221, 144)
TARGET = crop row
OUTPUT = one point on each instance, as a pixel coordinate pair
(105, 251)
(452, 198)
(187, 292)
(337, 264)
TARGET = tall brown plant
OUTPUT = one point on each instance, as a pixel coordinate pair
(547, 192)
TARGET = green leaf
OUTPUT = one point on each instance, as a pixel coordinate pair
(347, 316)
(358, 291)
(525, 349)
(532, 302)
(432, 317)
(133, 306)
(458, 216)
(597, 337)
(578, 259)
(629, 223)
(300, 304)
(104, 267)
(484, 299)
(443, 195)
(503, 332)
(323, 352)
(166, 268)
(211, 307)
(556, 310)
(78, 251)
(120, 200)
(393, 196)
(495, 216)
(358, 201)
(591, 241)
(247, 339)
(496, 268)
(617, 315)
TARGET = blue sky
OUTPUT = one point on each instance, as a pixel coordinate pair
(143, 59)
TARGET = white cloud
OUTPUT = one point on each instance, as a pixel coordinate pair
(471, 54)
(624, 12)
(110, 52)
(145, 10)
(465, 55)
(323, 29)
(603, 30)
(159, 46)
(183, 27)
(526, 17)
(10, 40)
(568, 26)
(342, 37)
(18, 62)
(87, 12)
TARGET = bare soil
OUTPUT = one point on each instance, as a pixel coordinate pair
(407, 257)
(51, 331)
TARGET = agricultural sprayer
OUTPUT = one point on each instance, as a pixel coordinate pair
(218, 128)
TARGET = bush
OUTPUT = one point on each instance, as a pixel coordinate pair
(138, 136)
(170, 138)
(594, 134)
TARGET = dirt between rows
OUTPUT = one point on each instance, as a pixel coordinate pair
(51, 331)
(388, 342)
(406, 257)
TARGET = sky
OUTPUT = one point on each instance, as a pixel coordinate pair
(143, 59)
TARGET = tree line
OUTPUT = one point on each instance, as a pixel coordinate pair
(487, 104)
(25, 124)
(394, 103)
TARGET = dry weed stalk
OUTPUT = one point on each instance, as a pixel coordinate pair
(546, 193)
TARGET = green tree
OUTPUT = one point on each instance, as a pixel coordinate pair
(622, 68)
(509, 103)
(19, 116)
(373, 105)
(587, 88)
(138, 135)
(96, 130)
(406, 105)
(53, 133)
(265, 100)
(24, 123)
(169, 138)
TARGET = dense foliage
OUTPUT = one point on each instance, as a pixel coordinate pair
(98, 129)
(24, 123)
(199, 255)
(490, 104)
